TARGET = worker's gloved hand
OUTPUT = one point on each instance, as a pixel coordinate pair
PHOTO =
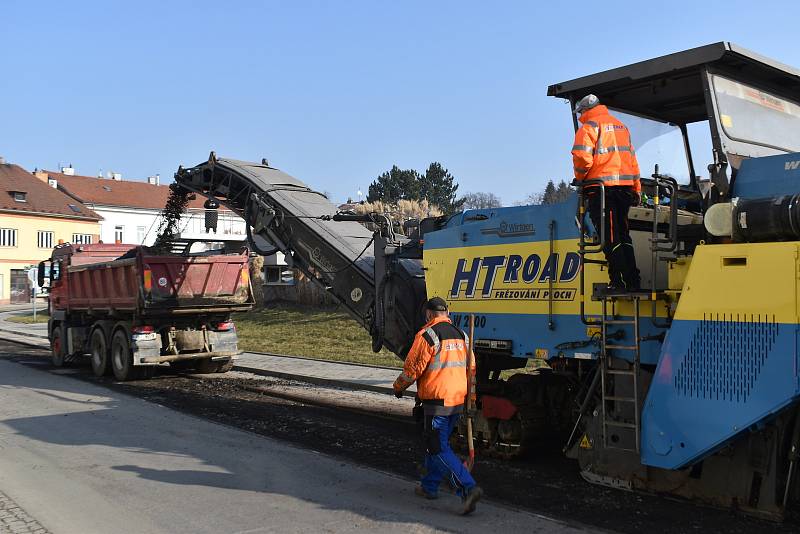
(635, 198)
(398, 393)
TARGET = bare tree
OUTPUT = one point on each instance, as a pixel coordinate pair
(481, 201)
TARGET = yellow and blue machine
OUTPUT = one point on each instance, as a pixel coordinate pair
(696, 380)
(689, 387)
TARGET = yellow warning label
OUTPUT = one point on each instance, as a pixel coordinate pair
(540, 354)
(592, 330)
(585, 443)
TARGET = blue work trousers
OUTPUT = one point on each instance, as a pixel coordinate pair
(440, 460)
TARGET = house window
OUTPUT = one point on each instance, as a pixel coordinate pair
(141, 232)
(118, 232)
(19, 196)
(8, 237)
(82, 239)
(278, 275)
(45, 239)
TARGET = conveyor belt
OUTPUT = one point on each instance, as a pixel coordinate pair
(296, 220)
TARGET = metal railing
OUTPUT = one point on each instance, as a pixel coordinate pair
(589, 247)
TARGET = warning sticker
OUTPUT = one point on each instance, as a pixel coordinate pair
(585, 443)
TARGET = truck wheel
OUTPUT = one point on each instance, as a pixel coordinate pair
(100, 355)
(57, 346)
(121, 359)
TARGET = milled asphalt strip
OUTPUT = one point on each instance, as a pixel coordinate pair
(357, 377)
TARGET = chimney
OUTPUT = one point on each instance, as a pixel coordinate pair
(69, 171)
(154, 180)
(43, 176)
(116, 176)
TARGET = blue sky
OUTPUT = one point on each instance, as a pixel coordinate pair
(333, 93)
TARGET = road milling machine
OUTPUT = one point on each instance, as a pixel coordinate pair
(689, 387)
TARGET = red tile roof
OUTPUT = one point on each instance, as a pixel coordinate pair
(40, 198)
(122, 193)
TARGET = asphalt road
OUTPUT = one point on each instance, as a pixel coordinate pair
(80, 458)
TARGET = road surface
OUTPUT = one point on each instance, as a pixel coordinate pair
(79, 458)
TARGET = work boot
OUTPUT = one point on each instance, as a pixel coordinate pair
(419, 491)
(471, 500)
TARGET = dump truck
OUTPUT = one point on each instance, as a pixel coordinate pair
(132, 309)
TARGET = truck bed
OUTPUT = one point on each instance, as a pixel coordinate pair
(159, 284)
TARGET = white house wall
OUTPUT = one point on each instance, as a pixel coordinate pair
(138, 222)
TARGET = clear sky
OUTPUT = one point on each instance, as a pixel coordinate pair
(334, 93)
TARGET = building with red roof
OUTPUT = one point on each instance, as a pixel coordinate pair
(34, 217)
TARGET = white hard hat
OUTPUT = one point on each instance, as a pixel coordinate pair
(587, 102)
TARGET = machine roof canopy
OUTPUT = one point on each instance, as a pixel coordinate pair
(670, 88)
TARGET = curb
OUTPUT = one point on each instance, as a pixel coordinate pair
(27, 334)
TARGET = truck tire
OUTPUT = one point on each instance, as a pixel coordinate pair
(57, 348)
(100, 353)
(121, 358)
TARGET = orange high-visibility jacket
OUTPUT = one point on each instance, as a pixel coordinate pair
(438, 362)
(603, 150)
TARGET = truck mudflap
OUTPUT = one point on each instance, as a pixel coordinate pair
(146, 348)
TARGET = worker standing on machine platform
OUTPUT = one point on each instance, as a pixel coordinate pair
(437, 361)
(603, 151)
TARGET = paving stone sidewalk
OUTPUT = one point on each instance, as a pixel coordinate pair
(14, 520)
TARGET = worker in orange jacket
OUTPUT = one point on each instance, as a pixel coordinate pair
(603, 151)
(437, 361)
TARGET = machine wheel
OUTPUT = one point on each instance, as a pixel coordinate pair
(121, 358)
(224, 367)
(207, 366)
(181, 366)
(100, 355)
(57, 347)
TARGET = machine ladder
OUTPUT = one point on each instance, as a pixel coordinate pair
(613, 379)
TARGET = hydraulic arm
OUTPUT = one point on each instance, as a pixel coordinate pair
(377, 276)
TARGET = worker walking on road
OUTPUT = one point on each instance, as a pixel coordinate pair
(437, 361)
(603, 151)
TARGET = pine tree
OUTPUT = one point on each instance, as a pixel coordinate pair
(549, 195)
(438, 187)
(394, 185)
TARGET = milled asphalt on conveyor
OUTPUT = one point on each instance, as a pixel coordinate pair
(319, 372)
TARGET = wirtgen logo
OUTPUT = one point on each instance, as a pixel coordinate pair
(792, 165)
(510, 230)
(519, 278)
